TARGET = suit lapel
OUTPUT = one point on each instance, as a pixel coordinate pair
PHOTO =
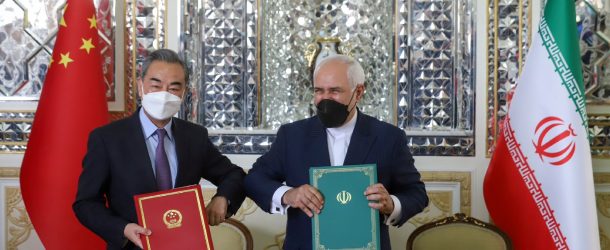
(361, 142)
(317, 144)
(181, 151)
(143, 163)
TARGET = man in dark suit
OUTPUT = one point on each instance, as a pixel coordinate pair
(338, 135)
(148, 152)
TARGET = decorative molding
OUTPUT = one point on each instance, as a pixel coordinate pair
(15, 128)
(18, 226)
(8, 172)
(603, 239)
(440, 201)
(601, 178)
(464, 180)
(602, 201)
(599, 132)
(443, 187)
(507, 39)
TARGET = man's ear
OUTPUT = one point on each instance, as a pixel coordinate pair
(140, 87)
(360, 89)
(184, 91)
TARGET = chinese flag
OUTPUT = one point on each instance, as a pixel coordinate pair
(72, 103)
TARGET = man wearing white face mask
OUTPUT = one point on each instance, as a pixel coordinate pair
(151, 151)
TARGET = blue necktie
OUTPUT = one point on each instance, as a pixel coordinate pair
(164, 176)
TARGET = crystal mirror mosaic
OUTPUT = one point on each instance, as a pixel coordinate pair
(250, 73)
(253, 74)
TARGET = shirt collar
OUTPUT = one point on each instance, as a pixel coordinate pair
(150, 128)
(345, 129)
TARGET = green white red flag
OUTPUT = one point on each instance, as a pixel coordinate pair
(539, 184)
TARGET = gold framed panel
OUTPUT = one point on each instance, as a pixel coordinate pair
(442, 200)
(602, 197)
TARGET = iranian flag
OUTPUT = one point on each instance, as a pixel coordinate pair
(539, 184)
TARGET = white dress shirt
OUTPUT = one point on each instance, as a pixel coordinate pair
(338, 142)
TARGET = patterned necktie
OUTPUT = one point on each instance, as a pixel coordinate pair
(164, 177)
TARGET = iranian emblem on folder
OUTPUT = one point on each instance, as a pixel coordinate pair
(176, 218)
(346, 221)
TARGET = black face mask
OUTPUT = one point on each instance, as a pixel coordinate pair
(333, 114)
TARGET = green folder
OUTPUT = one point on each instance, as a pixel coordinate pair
(346, 221)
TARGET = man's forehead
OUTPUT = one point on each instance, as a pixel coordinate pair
(161, 67)
(328, 85)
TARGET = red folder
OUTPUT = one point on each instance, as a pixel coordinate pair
(176, 217)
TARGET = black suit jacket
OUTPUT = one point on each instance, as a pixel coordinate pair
(117, 167)
(303, 144)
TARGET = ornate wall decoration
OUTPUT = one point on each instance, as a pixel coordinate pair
(594, 47)
(508, 37)
(435, 82)
(602, 199)
(288, 27)
(463, 178)
(222, 43)
(27, 38)
(9, 172)
(436, 71)
(145, 27)
(603, 204)
(442, 200)
(604, 240)
(221, 48)
(422, 80)
(592, 22)
(599, 130)
(15, 129)
(18, 227)
(242, 143)
(26, 41)
(439, 207)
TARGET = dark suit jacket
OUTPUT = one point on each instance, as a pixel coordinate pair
(303, 144)
(117, 167)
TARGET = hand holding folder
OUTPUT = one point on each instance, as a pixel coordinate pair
(176, 217)
(346, 221)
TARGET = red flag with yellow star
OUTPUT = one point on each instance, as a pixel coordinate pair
(72, 103)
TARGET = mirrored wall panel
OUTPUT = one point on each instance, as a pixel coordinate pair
(363, 30)
(252, 62)
(27, 35)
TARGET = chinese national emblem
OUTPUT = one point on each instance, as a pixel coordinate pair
(554, 141)
(172, 218)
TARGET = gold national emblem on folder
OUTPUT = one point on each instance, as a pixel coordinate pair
(344, 197)
(346, 221)
(172, 218)
(176, 218)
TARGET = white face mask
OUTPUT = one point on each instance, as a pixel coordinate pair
(161, 105)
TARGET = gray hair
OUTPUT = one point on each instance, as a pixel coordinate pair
(164, 55)
(355, 73)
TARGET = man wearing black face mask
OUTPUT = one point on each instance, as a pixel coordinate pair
(338, 135)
